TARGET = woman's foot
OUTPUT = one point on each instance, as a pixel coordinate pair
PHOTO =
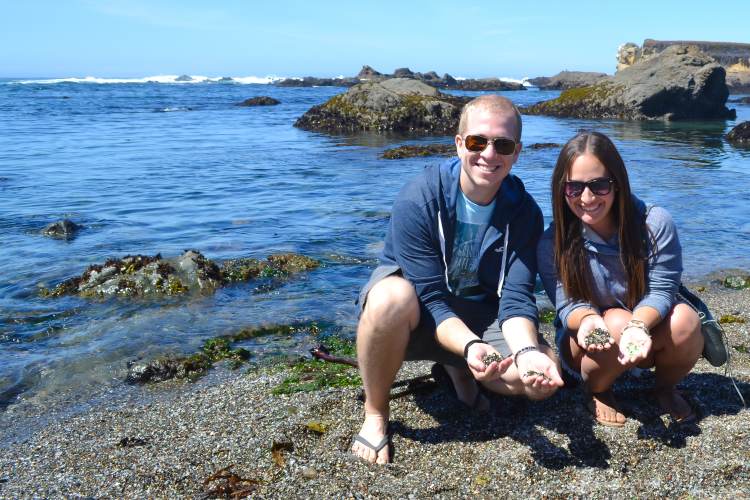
(604, 407)
(670, 400)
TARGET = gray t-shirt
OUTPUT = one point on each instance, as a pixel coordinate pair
(472, 221)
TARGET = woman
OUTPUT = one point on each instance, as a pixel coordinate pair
(612, 266)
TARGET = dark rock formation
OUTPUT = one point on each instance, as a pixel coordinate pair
(310, 81)
(566, 80)
(183, 78)
(740, 133)
(734, 57)
(430, 78)
(413, 151)
(745, 100)
(260, 101)
(544, 145)
(399, 104)
(539, 81)
(191, 271)
(678, 83)
(226, 79)
(63, 227)
(369, 74)
(486, 85)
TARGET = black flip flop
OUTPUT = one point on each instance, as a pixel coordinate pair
(376, 448)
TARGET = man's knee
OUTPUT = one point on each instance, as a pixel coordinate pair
(393, 298)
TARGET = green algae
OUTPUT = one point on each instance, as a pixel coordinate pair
(547, 316)
(241, 270)
(313, 374)
(737, 282)
(584, 102)
(277, 266)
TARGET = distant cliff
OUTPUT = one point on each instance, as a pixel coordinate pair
(735, 57)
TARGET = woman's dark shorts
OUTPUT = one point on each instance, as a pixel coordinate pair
(479, 316)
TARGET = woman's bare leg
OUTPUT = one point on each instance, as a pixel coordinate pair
(677, 345)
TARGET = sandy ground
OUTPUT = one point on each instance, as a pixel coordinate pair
(164, 440)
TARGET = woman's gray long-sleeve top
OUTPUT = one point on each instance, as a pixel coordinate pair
(607, 273)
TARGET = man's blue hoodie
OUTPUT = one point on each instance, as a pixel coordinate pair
(422, 230)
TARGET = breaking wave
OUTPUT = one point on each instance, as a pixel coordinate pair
(152, 79)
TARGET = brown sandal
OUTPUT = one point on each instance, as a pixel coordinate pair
(591, 399)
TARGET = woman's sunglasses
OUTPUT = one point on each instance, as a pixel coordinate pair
(478, 143)
(598, 187)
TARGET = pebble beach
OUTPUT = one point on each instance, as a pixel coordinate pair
(164, 440)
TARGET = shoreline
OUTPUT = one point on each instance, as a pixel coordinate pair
(176, 434)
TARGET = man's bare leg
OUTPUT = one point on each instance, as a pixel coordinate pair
(390, 314)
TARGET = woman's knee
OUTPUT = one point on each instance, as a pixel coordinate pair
(685, 326)
(616, 319)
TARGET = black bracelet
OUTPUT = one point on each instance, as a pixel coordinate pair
(521, 351)
(469, 344)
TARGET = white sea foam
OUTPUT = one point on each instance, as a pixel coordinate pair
(150, 79)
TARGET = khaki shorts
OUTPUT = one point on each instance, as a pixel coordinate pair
(479, 316)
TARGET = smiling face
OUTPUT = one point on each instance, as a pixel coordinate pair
(483, 172)
(594, 210)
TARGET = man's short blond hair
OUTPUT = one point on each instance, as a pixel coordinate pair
(493, 104)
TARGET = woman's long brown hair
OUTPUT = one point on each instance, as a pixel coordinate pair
(570, 254)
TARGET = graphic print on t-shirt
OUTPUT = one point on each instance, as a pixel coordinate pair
(471, 226)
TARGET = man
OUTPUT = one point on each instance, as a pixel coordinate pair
(456, 279)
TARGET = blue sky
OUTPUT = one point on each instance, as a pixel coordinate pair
(140, 38)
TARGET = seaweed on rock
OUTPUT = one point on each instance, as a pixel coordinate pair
(221, 349)
(191, 271)
(414, 151)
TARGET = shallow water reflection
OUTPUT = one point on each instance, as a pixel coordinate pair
(242, 182)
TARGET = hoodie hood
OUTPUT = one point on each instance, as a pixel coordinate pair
(510, 198)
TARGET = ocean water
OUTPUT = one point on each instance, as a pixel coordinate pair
(163, 167)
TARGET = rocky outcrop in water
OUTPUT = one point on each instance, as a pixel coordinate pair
(311, 81)
(734, 57)
(681, 82)
(539, 81)
(745, 100)
(485, 85)
(184, 78)
(422, 150)
(190, 272)
(64, 227)
(260, 101)
(430, 78)
(399, 104)
(566, 80)
(740, 133)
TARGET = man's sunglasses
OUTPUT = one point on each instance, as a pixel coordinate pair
(599, 187)
(478, 143)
